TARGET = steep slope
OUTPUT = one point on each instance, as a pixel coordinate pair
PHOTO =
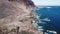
(17, 16)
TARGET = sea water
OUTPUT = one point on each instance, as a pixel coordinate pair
(49, 19)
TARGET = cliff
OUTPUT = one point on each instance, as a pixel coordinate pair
(17, 16)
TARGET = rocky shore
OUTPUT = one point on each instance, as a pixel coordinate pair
(17, 17)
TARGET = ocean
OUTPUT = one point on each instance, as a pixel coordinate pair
(52, 13)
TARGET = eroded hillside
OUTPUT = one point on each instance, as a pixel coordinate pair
(17, 17)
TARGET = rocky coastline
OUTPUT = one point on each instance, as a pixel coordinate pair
(17, 17)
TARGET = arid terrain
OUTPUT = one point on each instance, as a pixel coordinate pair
(17, 17)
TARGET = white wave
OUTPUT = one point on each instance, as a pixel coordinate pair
(52, 31)
(40, 27)
(48, 7)
(46, 19)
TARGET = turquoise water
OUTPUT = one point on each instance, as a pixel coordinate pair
(52, 13)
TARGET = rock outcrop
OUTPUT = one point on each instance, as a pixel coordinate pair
(17, 16)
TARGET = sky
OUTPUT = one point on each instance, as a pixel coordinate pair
(47, 2)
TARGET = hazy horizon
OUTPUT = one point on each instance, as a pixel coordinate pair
(47, 2)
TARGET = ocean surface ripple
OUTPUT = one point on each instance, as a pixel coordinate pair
(49, 18)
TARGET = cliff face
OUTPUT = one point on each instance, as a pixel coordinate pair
(16, 17)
